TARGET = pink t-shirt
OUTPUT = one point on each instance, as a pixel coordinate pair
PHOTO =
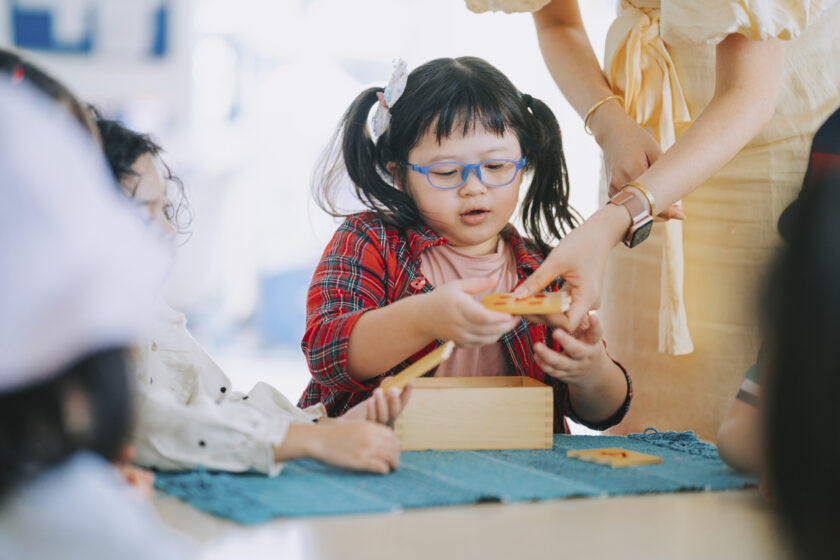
(442, 264)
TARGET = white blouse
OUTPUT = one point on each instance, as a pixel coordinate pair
(188, 414)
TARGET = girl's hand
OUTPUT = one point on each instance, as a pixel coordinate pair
(583, 352)
(453, 314)
(380, 408)
(354, 444)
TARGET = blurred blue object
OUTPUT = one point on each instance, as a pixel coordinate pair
(281, 311)
(33, 28)
(35, 24)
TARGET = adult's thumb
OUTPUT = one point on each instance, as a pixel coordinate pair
(534, 283)
(577, 311)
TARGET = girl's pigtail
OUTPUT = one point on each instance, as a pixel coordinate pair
(352, 152)
(546, 213)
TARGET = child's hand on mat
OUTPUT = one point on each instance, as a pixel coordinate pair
(582, 352)
(140, 479)
(380, 407)
(454, 314)
(356, 444)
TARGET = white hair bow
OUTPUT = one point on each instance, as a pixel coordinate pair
(392, 93)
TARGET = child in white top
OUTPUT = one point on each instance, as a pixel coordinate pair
(189, 413)
(72, 299)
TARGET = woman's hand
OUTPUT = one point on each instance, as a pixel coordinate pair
(629, 150)
(580, 258)
(454, 314)
(380, 408)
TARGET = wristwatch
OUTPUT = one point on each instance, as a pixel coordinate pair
(638, 205)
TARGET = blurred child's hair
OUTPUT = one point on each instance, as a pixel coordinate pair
(85, 407)
(445, 93)
(802, 343)
(16, 68)
(123, 147)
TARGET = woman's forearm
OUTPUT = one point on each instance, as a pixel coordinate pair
(384, 337)
(747, 84)
(569, 56)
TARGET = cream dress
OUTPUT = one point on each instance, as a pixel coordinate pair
(688, 359)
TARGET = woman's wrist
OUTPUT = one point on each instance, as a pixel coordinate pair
(603, 120)
(612, 222)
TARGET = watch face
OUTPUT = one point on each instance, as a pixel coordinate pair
(641, 233)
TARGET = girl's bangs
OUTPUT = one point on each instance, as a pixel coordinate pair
(469, 109)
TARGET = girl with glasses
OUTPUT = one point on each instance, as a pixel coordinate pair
(439, 168)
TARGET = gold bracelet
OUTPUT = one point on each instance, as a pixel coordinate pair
(591, 111)
(641, 188)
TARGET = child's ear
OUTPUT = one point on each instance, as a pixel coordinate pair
(393, 168)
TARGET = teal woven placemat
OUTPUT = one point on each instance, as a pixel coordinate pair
(446, 478)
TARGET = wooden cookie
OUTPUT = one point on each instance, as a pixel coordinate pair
(537, 304)
(614, 457)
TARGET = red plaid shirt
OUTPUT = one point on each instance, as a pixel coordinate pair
(369, 264)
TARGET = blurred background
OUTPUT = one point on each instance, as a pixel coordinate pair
(243, 96)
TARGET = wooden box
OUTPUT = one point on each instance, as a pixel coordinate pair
(477, 413)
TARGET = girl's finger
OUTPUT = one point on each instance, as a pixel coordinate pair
(572, 347)
(475, 341)
(394, 404)
(596, 330)
(376, 464)
(554, 359)
(477, 314)
(485, 331)
(406, 394)
(381, 406)
(370, 408)
(549, 370)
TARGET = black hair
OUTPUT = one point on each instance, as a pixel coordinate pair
(15, 67)
(440, 95)
(85, 407)
(123, 147)
(802, 345)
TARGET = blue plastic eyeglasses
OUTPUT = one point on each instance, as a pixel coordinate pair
(448, 175)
